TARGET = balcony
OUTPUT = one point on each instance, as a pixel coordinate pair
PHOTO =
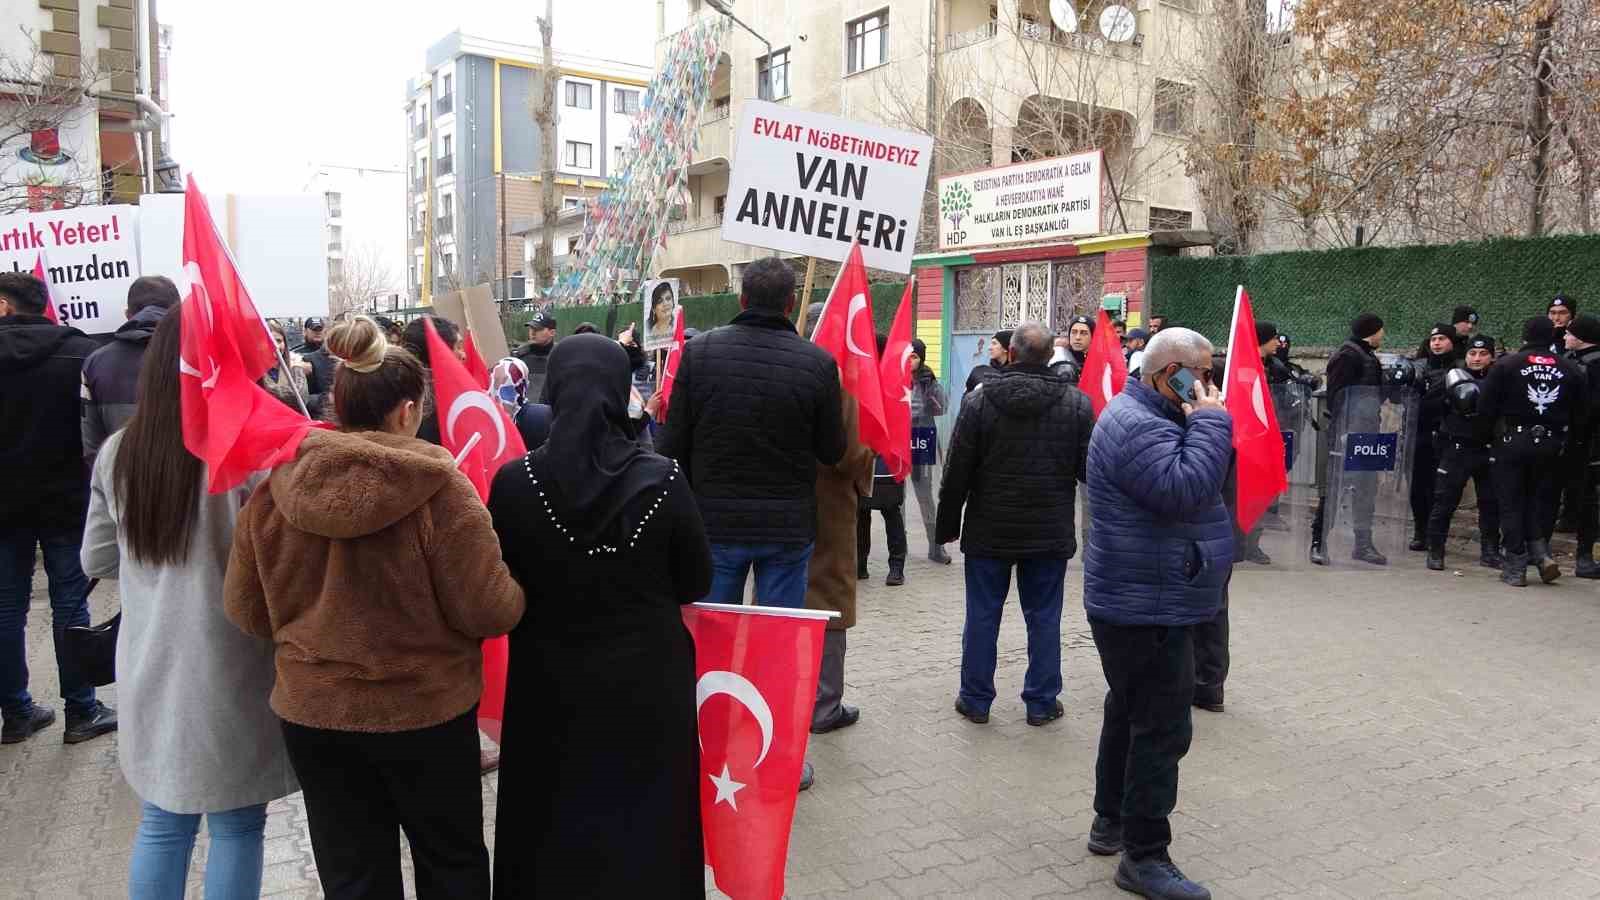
(447, 225)
(717, 111)
(444, 105)
(335, 246)
(715, 149)
(444, 165)
(697, 243)
(704, 223)
(419, 131)
(1085, 41)
(419, 186)
(972, 36)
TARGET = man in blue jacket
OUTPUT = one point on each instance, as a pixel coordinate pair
(1154, 566)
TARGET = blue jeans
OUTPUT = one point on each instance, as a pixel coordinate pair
(69, 605)
(165, 841)
(1039, 587)
(780, 573)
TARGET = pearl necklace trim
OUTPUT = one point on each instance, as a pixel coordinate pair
(602, 549)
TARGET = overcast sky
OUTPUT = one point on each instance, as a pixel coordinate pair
(262, 92)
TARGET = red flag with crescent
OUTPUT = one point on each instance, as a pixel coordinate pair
(845, 330)
(669, 370)
(41, 271)
(895, 373)
(755, 686)
(1105, 370)
(1257, 442)
(476, 367)
(229, 422)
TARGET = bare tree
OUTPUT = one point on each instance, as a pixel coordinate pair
(545, 115)
(38, 98)
(364, 274)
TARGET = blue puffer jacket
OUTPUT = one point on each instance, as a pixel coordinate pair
(1162, 546)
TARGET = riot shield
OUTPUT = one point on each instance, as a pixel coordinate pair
(1285, 528)
(1366, 504)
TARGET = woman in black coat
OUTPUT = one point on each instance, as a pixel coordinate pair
(600, 762)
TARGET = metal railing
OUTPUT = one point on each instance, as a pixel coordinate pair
(704, 223)
(717, 112)
(444, 165)
(444, 104)
(972, 36)
(1048, 33)
(447, 224)
(420, 131)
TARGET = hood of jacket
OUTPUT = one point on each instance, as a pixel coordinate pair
(28, 340)
(347, 485)
(1024, 392)
(138, 329)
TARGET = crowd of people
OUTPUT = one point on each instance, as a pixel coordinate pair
(317, 628)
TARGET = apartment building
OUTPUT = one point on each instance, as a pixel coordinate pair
(365, 231)
(82, 106)
(473, 149)
(997, 82)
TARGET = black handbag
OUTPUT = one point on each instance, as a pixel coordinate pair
(93, 648)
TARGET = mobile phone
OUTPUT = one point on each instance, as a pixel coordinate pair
(1183, 383)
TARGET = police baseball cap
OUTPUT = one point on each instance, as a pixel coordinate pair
(1481, 342)
(1084, 321)
(1563, 302)
(544, 318)
(1464, 314)
(315, 323)
(1441, 330)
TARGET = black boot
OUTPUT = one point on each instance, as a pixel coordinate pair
(897, 573)
(938, 555)
(1365, 551)
(1436, 555)
(861, 571)
(1419, 539)
(1587, 567)
(1490, 557)
(1539, 556)
(1319, 556)
(1515, 571)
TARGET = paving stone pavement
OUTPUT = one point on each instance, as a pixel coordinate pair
(1390, 733)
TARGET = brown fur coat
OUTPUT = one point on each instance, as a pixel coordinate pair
(831, 578)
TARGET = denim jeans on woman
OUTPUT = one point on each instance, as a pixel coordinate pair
(164, 844)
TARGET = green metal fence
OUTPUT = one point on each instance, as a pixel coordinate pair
(1312, 296)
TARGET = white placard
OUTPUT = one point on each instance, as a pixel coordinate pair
(1042, 200)
(810, 183)
(92, 255)
(658, 317)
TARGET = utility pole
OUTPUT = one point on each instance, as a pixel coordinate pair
(545, 115)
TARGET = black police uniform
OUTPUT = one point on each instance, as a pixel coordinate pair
(1354, 364)
(1465, 445)
(1584, 464)
(1432, 369)
(1535, 399)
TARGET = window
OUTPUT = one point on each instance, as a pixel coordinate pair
(335, 237)
(572, 245)
(447, 262)
(625, 101)
(579, 155)
(335, 204)
(571, 202)
(444, 91)
(1174, 107)
(444, 203)
(1170, 219)
(772, 75)
(580, 95)
(444, 149)
(335, 270)
(616, 154)
(867, 40)
(720, 204)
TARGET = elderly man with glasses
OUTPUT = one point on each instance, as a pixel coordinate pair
(1155, 566)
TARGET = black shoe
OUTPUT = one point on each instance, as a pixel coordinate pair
(1158, 878)
(1418, 544)
(1257, 556)
(1055, 713)
(102, 720)
(1208, 700)
(1490, 557)
(808, 776)
(1368, 554)
(1515, 571)
(861, 572)
(1539, 556)
(1319, 556)
(970, 714)
(848, 715)
(897, 574)
(938, 555)
(1587, 567)
(1436, 557)
(1105, 837)
(21, 728)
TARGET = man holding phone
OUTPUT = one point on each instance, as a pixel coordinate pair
(1155, 566)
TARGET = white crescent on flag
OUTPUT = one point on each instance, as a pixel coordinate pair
(1258, 400)
(468, 400)
(1105, 384)
(858, 303)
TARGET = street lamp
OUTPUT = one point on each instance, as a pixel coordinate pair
(721, 6)
(169, 179)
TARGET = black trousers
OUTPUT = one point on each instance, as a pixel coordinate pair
(1424, 469)
(1584, 478)
(894, 522)
(1459, 462)
(1149, 670)
(362, 789)
(1211, 653)
(1527, 476)
(1363, 505)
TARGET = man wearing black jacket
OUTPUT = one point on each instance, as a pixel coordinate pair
(1017, 454)
(1583, 348)
(44, 498)
(111, 374)
(1466, 447)
(1354, 365)
(755, 409)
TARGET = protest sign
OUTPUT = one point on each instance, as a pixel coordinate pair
(660, 309)
(815, 184)
(1042, 200)
(480, 315)
(91, 254)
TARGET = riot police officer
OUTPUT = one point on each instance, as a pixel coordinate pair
(1583, 348)
(1435, 358)
(1465, 451)
(1535, 398)
(1465, 321)
(1354, 364)
(1561, 311)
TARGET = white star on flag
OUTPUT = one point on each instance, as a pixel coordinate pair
(907, 398)
(726, 788)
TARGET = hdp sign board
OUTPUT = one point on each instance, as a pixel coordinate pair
(814, 184)
(1370, 451)
(1040, 200)
(91, 254)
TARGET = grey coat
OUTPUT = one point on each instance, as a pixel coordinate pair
(196, 734)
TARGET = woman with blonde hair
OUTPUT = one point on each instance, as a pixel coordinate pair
(371, 563)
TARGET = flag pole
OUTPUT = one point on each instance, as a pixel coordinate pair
(283, 366)
(1233, 326)
(805, 296)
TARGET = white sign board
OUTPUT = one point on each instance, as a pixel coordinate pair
(1030, 202)
(92, 256)
(660, 313)
(814, 184)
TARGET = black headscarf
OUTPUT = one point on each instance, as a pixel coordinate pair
(591, 461)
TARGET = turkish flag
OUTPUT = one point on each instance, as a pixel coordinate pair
(845, 330)
(755, 686)
(1105, 371)
(1257, 442)
(894, 370)
(476, 367)
(229, 422)
(669, 369)
(42, 272)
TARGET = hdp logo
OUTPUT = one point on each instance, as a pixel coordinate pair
(955, 203)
